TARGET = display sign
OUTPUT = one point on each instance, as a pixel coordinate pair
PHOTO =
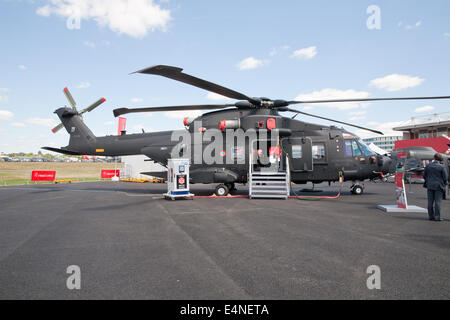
(108, 174)
(181, 181)
(43, 175)
(402, 201)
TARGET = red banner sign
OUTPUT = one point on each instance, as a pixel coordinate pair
(108, 174)
(43, 175)
(122, 125)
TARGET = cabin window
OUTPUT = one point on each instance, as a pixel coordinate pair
(318, 151)
(348, 148)
(441, 132)
(297, 151)
(423, 134)
(355, 148)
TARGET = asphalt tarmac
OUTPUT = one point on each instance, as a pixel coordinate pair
(130, 243)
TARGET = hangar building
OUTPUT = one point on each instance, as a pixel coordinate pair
(134, 165)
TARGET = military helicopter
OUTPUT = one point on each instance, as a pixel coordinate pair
(310, 152)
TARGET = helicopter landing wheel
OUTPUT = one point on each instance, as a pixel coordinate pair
(357, 189)
(221, 190)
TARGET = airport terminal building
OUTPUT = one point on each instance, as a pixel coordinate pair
(387, 143)
(428, 131)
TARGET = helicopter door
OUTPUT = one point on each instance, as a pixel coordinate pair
(300, 153)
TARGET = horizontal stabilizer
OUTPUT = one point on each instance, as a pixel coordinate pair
(72, 153)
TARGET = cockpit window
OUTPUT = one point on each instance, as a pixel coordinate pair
(356, 150)
(365, 149)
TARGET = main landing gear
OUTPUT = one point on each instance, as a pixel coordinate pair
(357, 189)
(224, 188)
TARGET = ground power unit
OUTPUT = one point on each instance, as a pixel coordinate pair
(178, 179)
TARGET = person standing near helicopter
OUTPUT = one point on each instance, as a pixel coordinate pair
(436, 179)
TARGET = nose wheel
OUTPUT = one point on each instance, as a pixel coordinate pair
(357, 189)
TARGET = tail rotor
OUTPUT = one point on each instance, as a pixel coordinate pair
(74, 104)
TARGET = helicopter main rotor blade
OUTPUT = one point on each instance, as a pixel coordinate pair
(121, 111)
(337, 121)
(367, 99)
(176, 73)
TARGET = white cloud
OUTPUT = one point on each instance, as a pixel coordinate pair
(275, 51)
(424, 109)
(358, 113)
(182, 114)
(251, 63)
(4, 90)
(6, 115)
(18, 124)
(396, 82)
(305, 53)
(137, 100)
(447, 34)
(109, 123)
(44, 11)
(131, 17)
(3, 99)
(46, 122)
(92, 44)
(89, 44)
(410, 26)
(22, 67)
(83, 85)
(333, 94)
(385, 127)
(357, 118)
(216, 97)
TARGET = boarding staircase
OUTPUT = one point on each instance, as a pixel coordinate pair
(267, 183)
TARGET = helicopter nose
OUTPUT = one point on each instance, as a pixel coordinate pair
(387, 165)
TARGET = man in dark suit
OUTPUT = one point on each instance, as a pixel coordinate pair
(436, 179)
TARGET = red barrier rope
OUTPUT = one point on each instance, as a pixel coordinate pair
(214, 196)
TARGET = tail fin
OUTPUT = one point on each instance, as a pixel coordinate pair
(81, 137)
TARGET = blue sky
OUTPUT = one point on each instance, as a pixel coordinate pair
(278, 49)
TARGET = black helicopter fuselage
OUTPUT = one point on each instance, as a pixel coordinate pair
(313, 153)
(307, 151)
